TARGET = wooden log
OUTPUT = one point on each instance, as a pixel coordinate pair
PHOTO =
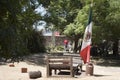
(35, 74)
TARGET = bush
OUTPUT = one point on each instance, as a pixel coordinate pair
(36, 42)
(60, 48)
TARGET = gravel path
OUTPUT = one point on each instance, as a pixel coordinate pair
(14, 73)
(36, 63)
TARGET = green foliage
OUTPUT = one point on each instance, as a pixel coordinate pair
(106, 15)
(61, 12)
(60, 48)
(77, 27)
(52, 49)
(107, 22)
(97, 34)
(81, 20)
(113, 19)
(36, 42)
(16, 20)
(75, 30)
(69, 30)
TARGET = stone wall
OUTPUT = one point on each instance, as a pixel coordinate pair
(58, 40)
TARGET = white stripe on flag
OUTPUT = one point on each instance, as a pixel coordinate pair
(87, 42)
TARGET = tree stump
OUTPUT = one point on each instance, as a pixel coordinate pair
(35, 74)
(24, 70)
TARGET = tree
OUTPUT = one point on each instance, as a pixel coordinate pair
(61, 12)
(106, 17)
(16, 21)
(76, 29)
(36, 42)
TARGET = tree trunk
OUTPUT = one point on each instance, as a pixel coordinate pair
(115, 47)
(76, 45)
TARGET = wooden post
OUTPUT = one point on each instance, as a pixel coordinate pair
(71, 67)
(48, 69)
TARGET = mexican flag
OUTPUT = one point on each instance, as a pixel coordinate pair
(86, 44)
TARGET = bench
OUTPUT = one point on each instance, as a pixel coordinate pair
(59, 63)
(62, 63)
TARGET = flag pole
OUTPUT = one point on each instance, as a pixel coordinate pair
(89, 66)
(86, 44)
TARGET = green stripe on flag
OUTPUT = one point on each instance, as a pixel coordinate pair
(90, 15)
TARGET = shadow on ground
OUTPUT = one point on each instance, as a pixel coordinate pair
(36, 59)
(107, 62)
(2, 63)
(98, 75)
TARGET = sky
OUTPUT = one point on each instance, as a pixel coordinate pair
(41, 24)
(40, 10)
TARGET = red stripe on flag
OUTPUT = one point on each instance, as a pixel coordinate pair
(85, 54)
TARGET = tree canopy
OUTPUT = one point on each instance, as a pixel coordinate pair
(71, 17)
(107, 17)
(61, 12)
(16, 20)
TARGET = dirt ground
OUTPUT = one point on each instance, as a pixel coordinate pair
(14, 73)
